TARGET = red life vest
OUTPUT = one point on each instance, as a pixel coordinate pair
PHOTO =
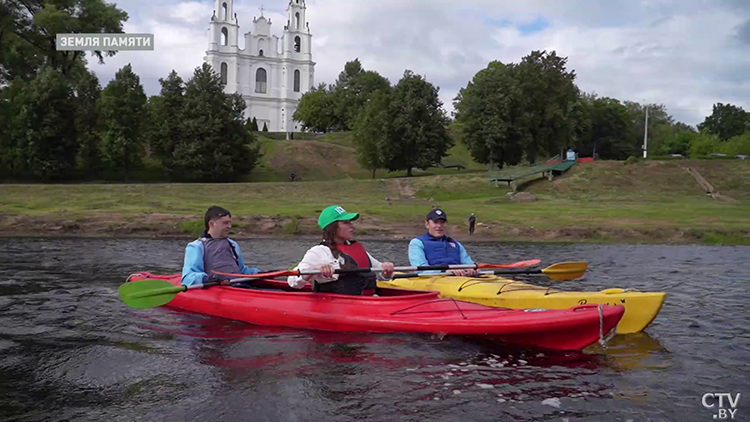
(357, 252)
(364, 284)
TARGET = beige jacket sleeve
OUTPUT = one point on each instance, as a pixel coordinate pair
(315, 256)
(319, 255)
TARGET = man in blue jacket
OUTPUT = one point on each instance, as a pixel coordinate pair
(436, 248)
(214, 251)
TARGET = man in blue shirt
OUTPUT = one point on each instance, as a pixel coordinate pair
(436, 248)
(214, 251)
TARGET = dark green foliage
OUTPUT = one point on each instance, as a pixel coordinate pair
(123, 112)
(41, 141)
(487, 118)
(336, 107)
(547, 93)
(508, 110)
(253, 125)
(372, 131)
(215, 145)
(88, 92)
(316, 110)
(418, 137)
(166, 118)
(28, 32)
(403, 128)
(726, 121)
(352, 90)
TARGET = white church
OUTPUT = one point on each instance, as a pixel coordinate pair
(270, 76)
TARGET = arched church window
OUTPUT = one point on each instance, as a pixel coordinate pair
(297, 42)
(224, 11)
(223, 73)
(260, 81)
(260, 53)
(224, 36)
(296, 20)
(296, 81)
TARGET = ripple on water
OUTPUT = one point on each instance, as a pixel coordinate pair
(70, 350)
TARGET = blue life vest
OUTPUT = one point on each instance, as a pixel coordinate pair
(440, 251)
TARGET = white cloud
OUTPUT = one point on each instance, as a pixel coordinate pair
(686, 54)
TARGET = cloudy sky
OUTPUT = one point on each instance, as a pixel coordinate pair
(686, 54)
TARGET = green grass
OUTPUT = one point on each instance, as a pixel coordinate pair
(601, 201)
(333, 156)
(192, 227)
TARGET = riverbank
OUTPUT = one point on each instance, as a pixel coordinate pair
(651, 202)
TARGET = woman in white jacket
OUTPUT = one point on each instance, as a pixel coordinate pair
(339, 251)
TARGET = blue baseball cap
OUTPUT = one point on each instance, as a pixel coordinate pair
(436, 214)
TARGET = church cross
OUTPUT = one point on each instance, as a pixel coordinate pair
(261, 10)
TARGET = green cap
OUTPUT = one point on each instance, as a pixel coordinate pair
(335, 213)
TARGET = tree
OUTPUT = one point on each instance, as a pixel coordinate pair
(43, 133)
(675, 141)
(486, 116)
(372, 130)
(580, 119)
(167, 119)
(609, 128)
(122, 107)
(88, 91)
(726, 121)
(265, 127)
(215, 145)
(252, 125)
(511, 109)
(704, 143)
(737, 145)
(28, 33)
(315, 110)
(336, 107)
(547, 93)
(12, 161)
(418, 136)
(353, 88)
(659, 125)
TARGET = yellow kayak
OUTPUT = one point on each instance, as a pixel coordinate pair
(640, 308)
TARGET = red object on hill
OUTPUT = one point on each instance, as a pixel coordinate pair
(585, 159)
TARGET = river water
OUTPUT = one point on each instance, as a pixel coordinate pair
(70, 350)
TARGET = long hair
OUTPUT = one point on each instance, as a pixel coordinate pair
(329, 238)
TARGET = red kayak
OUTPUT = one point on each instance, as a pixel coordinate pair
(275, 303)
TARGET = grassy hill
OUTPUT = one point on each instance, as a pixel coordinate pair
(651, 201)
(333, 156)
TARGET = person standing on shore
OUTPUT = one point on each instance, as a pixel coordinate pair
(472, 222)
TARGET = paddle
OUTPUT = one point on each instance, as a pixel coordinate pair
(286, 273)
(559, 272)
(150, 293)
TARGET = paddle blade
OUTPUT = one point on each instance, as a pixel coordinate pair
(566, 271)
(148, 293)
(519, 264)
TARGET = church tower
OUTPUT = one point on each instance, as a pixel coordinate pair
(270, 73)
(297, 37)
(222, 38)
